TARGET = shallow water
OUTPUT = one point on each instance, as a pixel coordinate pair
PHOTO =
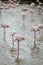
(13, 18)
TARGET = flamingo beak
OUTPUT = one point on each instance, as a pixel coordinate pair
(24, 38)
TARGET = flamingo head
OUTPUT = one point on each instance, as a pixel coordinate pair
(23, 38)
(14, 33)
(40, 26)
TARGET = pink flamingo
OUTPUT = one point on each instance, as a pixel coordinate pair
(23, 15)
(37, 1)
(40, 3)
(4, 26)
(13, 39)
(40, 27)
(32, 5)
(13, 6)
(42, 16)
(39, 7)
(34, 29)
(1, 6)
(17, 37)
(10, 1)
(32, 11)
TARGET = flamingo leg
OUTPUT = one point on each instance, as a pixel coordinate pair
(23, 19)
(18, 51)
(4, 34)
(34, 39)
(12, 41)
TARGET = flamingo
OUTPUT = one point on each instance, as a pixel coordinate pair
(23, 15)
(42, 16)
(35, 29)
(39, 8)
(32, 12)
(40, 27)
(13, 6)
(13, 38)
(37, 1)
(32, 5)
(10, 1)
(17, 37)
(4, 26)
(1, 6)
(40, 3)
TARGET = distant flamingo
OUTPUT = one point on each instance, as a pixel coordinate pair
(34, 29)
(37, 2)
(42, 16)
(13, 6)
(18, 38)
(1, 7)
(32, 5)
(10, 1)
(13, 38)
(40, 3)
(4, 26)
(39, 8)
(40, 27)
(32, 14)
(23, 15)
(31, 9)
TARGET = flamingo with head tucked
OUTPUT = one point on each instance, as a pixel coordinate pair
(35, 29)
(23, 15)
(39, 9)
(17, 37)
(4, 26)
(32, 5)
(40, 27)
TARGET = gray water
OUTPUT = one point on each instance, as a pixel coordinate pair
(13, 18)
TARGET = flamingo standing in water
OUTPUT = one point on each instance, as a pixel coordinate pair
(1, 7)
(42, 16)
(31, 10)
(37, 2)
(23, 17)
(32, 5)
(39, 9)
(4, 26)
(40, 32)
(13, 38)
(40, 25)
(35, 29)
(17, 37)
